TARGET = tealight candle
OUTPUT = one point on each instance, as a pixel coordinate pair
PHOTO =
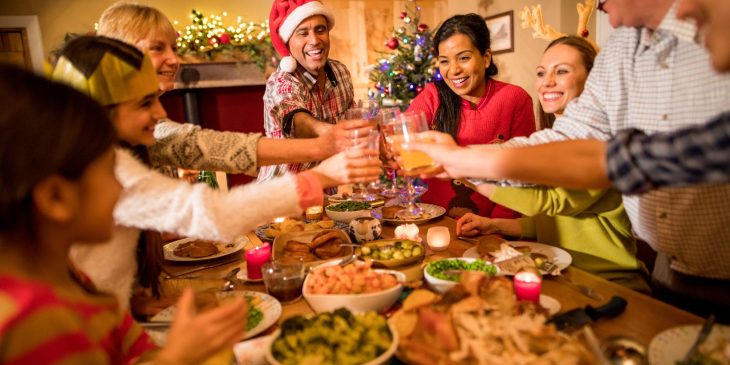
(527, 286)
(279, 219)
(256, 257)
(314, 213)
(407, 232)
(438, 238)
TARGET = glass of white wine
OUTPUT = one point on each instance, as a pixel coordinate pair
(386, 117)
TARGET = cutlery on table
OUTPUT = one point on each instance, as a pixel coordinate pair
(468, 239)
(582, 316)
(701, 337)
(179, 275)
(585, 290)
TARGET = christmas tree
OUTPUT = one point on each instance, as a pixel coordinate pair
(399, 76)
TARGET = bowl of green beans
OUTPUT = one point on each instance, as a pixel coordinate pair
(347, 211)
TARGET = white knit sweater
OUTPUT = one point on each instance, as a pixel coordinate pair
(150, 200)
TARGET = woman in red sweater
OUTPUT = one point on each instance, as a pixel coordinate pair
(471, 106)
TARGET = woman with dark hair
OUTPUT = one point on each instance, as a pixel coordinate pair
(561, 76)
(471, 106)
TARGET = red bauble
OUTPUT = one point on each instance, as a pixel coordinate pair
(419, 89)
(392, 43)
(403, 14)
(212, 41)
(584, 33)
(225, 38)
(422, 27)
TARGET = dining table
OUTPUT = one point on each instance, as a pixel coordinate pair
(643, 318)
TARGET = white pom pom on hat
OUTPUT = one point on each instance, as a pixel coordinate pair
(284, 18)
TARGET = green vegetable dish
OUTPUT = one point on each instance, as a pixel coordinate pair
(254, 315)
(437, 268)
(398, 250)
(337, 338)
(349, 206)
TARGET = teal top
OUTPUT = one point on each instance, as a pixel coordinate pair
(591, 225)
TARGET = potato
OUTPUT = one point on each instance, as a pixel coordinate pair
(326, 224)
(417, 299)
(404, 322)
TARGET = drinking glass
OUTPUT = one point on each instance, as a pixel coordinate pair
(387, 116)
(360, 140)
(404, 130)
(284, 281)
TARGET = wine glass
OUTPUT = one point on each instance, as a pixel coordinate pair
(408, 129)
(388, 116)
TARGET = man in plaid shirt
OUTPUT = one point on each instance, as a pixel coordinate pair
(309, 92)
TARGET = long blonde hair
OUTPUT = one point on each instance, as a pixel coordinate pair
(130, 22)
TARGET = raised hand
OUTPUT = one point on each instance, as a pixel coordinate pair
(195, 337)
(352, 166)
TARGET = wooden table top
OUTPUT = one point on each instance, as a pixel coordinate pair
(644, 317)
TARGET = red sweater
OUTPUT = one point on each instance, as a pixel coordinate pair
(503, 113)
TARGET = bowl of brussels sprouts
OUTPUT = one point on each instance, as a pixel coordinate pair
(392, 253)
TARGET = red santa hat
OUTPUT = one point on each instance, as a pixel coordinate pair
(285, 17)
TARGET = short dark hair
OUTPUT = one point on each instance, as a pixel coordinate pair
(446, 118)
(48, 129)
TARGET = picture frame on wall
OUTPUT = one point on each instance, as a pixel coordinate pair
(502, 32)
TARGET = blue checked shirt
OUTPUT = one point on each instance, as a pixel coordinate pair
(638, 163)
(658, 81)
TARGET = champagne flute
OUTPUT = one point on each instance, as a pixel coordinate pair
(387, 116)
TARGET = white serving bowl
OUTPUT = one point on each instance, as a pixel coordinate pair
(384, 358)
(346, 216)
(440, 285)
(356, 303)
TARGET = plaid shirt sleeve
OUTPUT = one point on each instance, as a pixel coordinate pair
(637, 162)
(285, 95)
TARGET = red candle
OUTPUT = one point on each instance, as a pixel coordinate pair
(527, 286)
(256, 257)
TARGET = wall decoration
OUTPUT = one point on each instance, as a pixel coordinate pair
(501, 29)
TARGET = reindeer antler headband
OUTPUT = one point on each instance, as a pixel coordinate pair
(532, 18)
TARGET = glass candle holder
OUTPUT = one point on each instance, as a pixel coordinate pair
(528, 284)
(314, 213)
(438, 238)
(256, 257)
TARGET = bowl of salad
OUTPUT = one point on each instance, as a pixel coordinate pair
(348, 210)
(443, 275)
(338, 337)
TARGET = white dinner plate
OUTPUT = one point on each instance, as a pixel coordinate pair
(433, 211)
(671, 345)
(268, 305)
(551, 304)
(225, 249)
(560, 257)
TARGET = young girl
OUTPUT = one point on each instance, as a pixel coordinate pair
(122, 79)
(471, 106)
(56, 190)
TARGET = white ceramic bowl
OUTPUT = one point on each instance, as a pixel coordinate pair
(346, 216)
(384, 358)
(440, 285)
(356, 303)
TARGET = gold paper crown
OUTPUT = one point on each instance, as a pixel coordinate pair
(532, 18)
(113, 81)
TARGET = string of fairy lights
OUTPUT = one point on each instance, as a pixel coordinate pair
(209, 33)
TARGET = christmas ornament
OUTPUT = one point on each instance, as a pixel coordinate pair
(422, 27)
(392, 43)
(225, 38)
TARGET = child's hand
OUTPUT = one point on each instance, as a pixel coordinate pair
(195, 337)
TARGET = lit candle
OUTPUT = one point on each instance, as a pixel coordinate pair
(407, 232)
(438, 238)
(279, 219)
(527, 286)
(314, 213)
(256, 257)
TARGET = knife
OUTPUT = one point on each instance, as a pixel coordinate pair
(701, 337)
(200, 268)
(581, 316)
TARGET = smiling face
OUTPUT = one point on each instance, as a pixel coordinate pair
(162, 49)
(713, 21)
(135, 119)
(463, 67)
(561, 76)
(310, 44)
